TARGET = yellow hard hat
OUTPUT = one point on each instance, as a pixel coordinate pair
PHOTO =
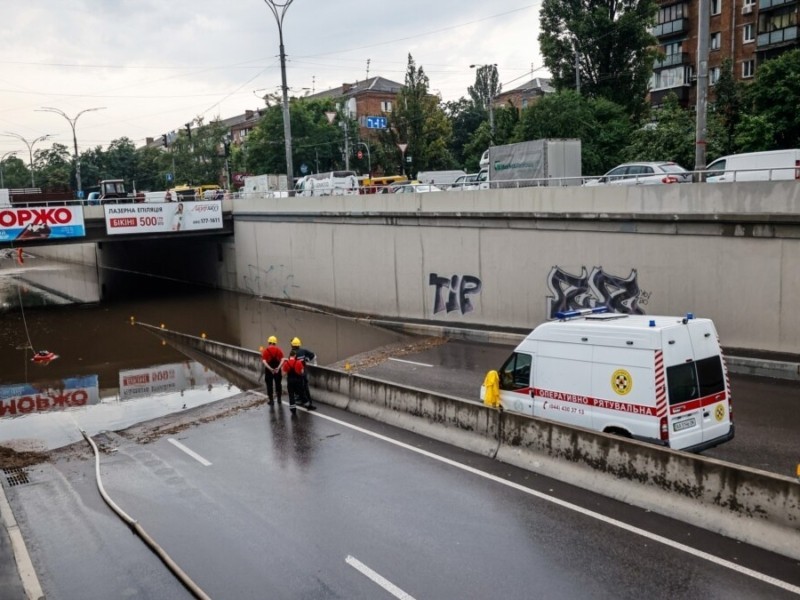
(272, 340)
(296, 342)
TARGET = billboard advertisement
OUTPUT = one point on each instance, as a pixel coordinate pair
(162, 379)
(46, 222)
(162, 217)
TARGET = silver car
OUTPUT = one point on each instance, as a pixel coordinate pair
(643, 173)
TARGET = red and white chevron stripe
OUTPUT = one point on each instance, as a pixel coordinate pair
(661, 389)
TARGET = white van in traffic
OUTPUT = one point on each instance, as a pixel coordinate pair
(774, 165)
(655, 379)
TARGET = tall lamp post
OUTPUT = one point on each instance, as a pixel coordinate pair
(489, 69)
(2, 160)
(30, 146)
(72, 123)
(279, 9)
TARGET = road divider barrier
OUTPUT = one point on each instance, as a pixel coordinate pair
(756, 507)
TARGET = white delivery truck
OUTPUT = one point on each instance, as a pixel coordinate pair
(774, 165)
(655, 379)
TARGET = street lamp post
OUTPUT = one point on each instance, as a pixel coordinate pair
(30, 146)
(487, 69)
(9, 153)
(72, 123)
(279, 9)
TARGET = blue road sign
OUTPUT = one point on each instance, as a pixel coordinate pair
(376, 123)
(304, 168)
(169, 176)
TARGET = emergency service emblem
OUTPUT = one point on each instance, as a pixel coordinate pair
(621, 382)
(719, 412)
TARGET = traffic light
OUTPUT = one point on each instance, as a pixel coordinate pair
(164, 140)
(189, 130)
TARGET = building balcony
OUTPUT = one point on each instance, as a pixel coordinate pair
(671, 28)
(769, 4)
(682, 92)
(779, 36)
(672, 60)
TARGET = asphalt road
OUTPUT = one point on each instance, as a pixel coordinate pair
(255, 504)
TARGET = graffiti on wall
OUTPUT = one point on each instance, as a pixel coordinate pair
(595, 288)
(275, 281)
(452, 294)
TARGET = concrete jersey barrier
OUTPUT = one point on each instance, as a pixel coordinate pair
(756, 507)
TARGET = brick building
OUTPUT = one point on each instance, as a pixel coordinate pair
(746, 31)
(523, 96)
(373, 97)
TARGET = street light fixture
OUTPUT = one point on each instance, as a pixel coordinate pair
(30, 146)
(487, 68)
(279, 9)
(72, 123)
(9, 153)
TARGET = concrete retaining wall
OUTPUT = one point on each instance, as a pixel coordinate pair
(753, 506)
(505, 258)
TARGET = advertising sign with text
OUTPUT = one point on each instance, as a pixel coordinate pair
(158, 217)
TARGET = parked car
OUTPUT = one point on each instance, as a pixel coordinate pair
(643, 173)
(471, 181)
(417, 188)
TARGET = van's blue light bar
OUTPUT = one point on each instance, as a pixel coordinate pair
(571, 314)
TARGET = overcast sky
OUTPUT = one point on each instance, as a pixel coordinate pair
(157, 64)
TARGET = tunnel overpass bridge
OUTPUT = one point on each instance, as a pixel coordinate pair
(68, 223)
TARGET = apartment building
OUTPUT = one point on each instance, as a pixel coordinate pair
(748, 32)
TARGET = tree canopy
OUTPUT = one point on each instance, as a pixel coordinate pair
(614, 48)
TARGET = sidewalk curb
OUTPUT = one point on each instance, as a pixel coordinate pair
(30, 582)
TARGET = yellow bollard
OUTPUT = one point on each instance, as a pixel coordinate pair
(347, 366)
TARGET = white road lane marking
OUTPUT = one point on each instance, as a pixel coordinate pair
(377, 578)
(190, 452)
(410, 362)
(784, 585)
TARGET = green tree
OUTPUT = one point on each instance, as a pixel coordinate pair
(614, 47)
(15, 173)
(421, 122)
(119, 161)
(726, 109)
(464, 119)
(671, 136)
(53, 168)
(602, 126)
(772, 100)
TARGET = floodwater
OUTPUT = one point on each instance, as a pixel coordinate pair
(110, 374)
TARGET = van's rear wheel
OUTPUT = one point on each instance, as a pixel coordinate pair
(618, 431)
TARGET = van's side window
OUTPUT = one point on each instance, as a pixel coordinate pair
(682, 383)
(515, 374)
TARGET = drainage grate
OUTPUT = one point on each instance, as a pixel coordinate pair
(16, 476)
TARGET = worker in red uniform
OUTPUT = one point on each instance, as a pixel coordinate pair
(272, 357)
(295, 376)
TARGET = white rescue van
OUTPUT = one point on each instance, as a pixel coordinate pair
(652, 378)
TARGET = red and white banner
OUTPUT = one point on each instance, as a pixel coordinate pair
(46, 222)
(160, 217)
